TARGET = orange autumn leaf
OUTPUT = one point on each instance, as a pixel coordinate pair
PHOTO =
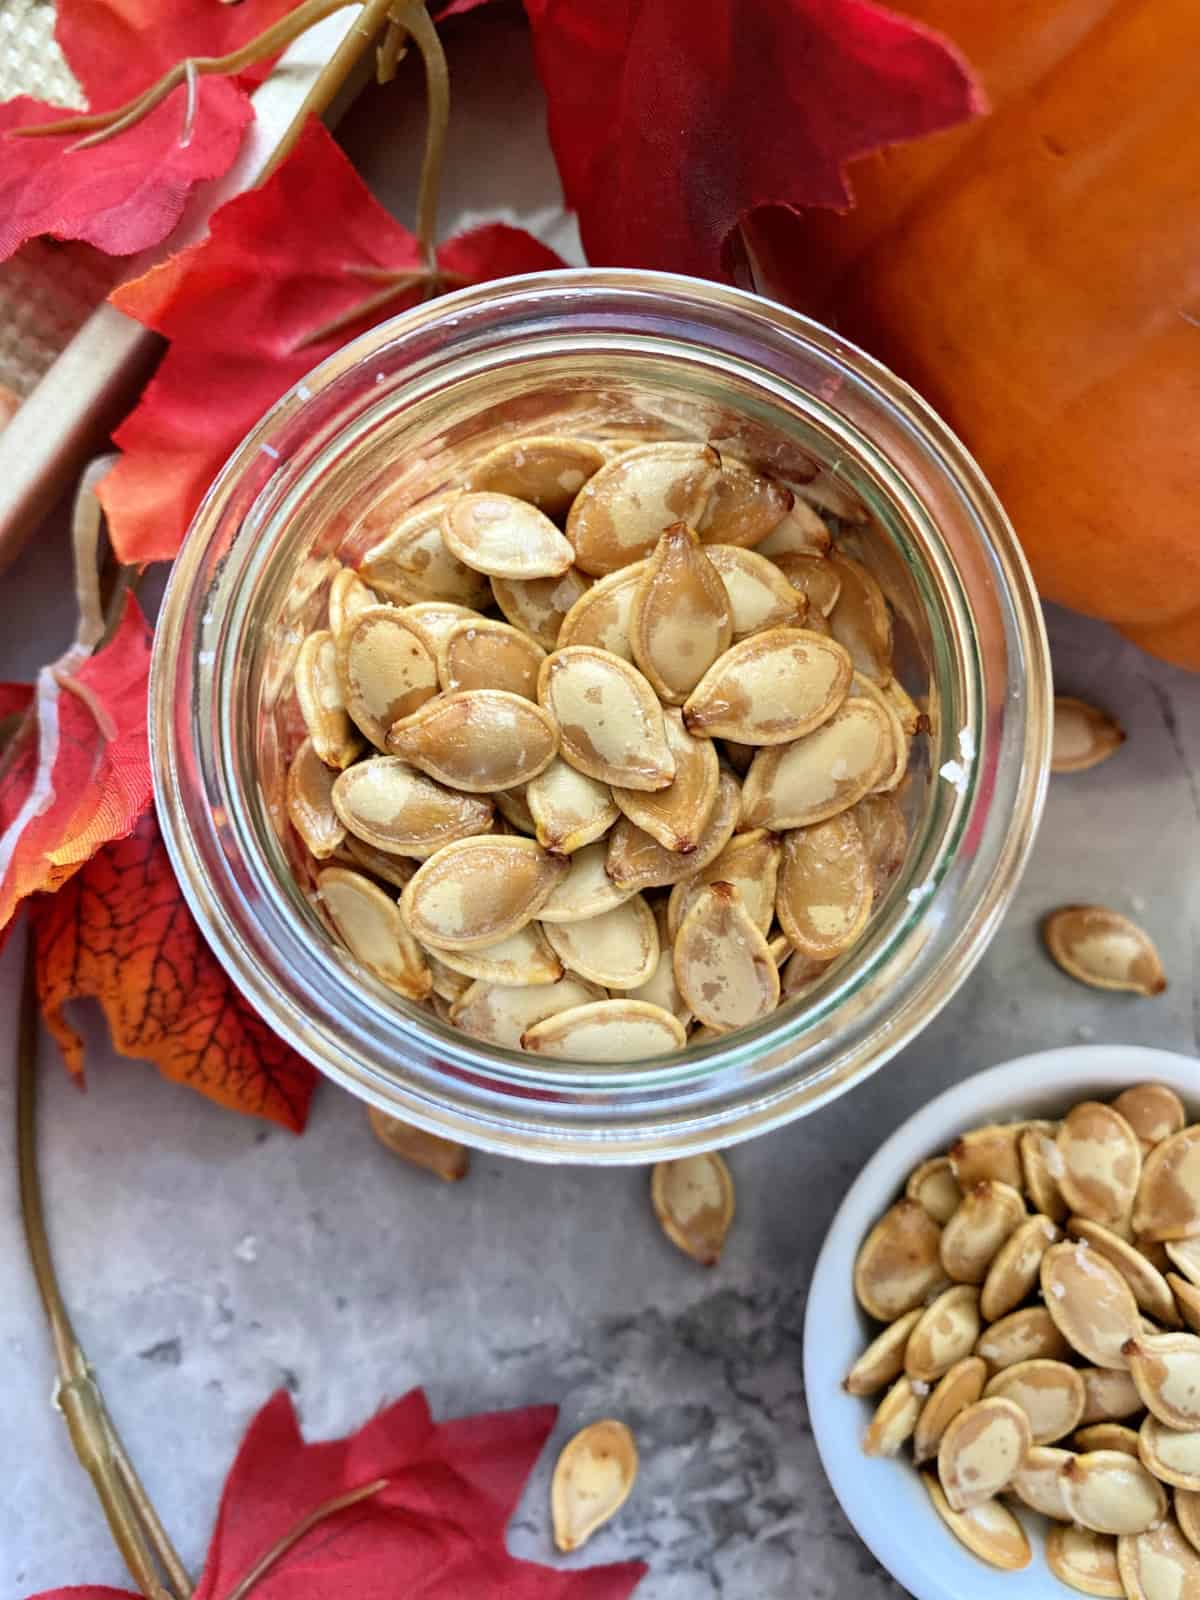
(119, 932)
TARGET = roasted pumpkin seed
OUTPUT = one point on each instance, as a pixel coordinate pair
(607, 1031)
(484, 654)
(898, 1262)
(1109, 1395)
(1150, 1288)
(800, 974)
(744, 506)
(586, 891)
(894, 1420)
(322, 701)
(1165, 1369)
(1187, 1513)
(824, 893)
(442, 1157)
(660, 988)
(504, 537)
(519, 960)
(548, 470)
(750, 861)
(816, 777)
(1101, 1163)
(680, 619)
(959, 1388)
(813, 577)
(478, 740)
(385, 670)
(1159, 1564)
(1084, 1561)
(1090, 1302)
(610, 720)
(990, 1212)
(1050, 1393)
(569, 809)
(513, 807)
(865, 689)
(538, 605)
(1027, 1335)
(500, 1013)
(1153, 1111)
(602, 615)
(1038, 1482)
(1103, 949)
(693, 1200)
(393, 869)
(723, 967)
(885, 835)
(981, 1451)
(861, 621)
(1168, 1198)
(369, 924)
(1107, 1436)
(1013, 1273)
(476, 892)
(883, 1360)
(800, 532)
(771, 689)
(989, 1530)
(759, 595)
(386, 803)
(617, 948)
(348, 595)
(677, 815)
(934, 1186)
(1187, 1299)
(1171, 1454)
(619, 513)
(412, 562)
(987, 1153)
(592, 1481)
(434, 620)
(946, 1334)
(1110, 1492)
(636, 861)
(1184, 1254)
(308, 795)
(1039, 1162)
(1084, 736)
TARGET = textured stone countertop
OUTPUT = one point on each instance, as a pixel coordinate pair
(209, 1259)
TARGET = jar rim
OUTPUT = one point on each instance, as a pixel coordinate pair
(455, 1085)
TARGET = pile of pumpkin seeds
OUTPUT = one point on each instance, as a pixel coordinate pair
(1040, 1289)
(603, 750)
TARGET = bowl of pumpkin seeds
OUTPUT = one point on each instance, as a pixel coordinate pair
(1002, 1350)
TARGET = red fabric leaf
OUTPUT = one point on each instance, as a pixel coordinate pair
(237, 308)
(119, 932)
(79, 775)
(435, 1532)
(670, 122)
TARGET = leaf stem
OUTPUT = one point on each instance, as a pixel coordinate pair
(414, 17)
(280, 1548)
(395, 284)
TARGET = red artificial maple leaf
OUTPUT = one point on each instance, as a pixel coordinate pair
(119, 932)
(670, 123)
(78, 772)
(241, 308)
(423, 1513)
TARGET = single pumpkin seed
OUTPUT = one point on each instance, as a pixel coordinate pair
(959, 1388)
(865, 689)
(592, 1480)
(513, 806)
(981, 1451)
(1039, 1162)
(759, 595)
(898, 1262)
(442, 1157)
(1165, 1369)
(568, 809)
(476, 892)
(934, 1186)
(434, 620)
(385, 670)
(1168, 1198)
(989, 1214)
(677, 815)
(988, 1153)
(989, 1531)
(393, 869)
(348, 595)
(1090, 1302)
(369, 924)
(500, 1013)
(518, 961)
(1150, 1289)
(813, 577)
(800, 532)
(636, 861)
(1171, 1454)
(817, 777)
(1159, 1564)
(771, 689)
(680, 618)
(1108, 1395)
(1110, 1492)
(1026, 1335)
(946, 1334)
(693, 1200)
(1103, 949)
(619, 513)
(610, 720)
(1187, 1299)
(448, 984)
(478, 740)
(1013, 1274)
(750, 861)
(308, 793)
(617, 947)
(608, 1031)
(386, 803)
(547, 470)
(1185, 1254)
(412, 561)
(894, 1420)
(484, 654)
(504, 537)
(1084, 736)
(1153, 1111)
(824, 893)
(1038, 1482)
(800, 974)
(722, 964)
(602, 615)
(882, 1361)
(660, 989)
(1101, 1163)
(744, 506)
(1187, 1513)
(861, 621)
(1050, 1393)
(885, 835)
(1107, 1436)
(1084, 1561)
(537, 606)
(586, 891)
(322, 701)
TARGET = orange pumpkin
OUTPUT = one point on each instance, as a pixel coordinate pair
(1036, 274)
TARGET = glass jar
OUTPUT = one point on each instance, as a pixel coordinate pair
(604, 353)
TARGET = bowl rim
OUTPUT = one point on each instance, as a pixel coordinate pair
(889, 1508)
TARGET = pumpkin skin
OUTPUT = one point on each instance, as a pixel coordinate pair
(1036, 275)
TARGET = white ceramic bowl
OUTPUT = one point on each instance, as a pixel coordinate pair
(884, 1499)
